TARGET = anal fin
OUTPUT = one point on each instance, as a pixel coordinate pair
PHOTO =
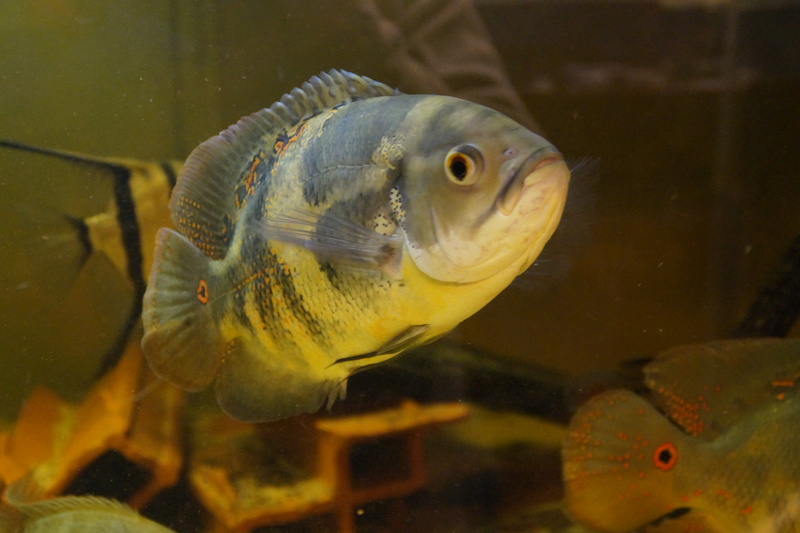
(258, 386)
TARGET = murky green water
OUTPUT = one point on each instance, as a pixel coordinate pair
(691, 203)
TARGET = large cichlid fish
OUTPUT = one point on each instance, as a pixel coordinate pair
(342, 225)
(725, 449)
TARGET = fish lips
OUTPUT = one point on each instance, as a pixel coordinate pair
(525, 175)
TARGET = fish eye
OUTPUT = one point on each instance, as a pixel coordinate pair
(463, 164)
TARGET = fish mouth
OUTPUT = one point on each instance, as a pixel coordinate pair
(525, 175)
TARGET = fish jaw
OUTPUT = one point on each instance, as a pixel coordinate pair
(548, 183)
(528, 174)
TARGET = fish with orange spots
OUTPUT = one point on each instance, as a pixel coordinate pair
(335, 229)
(717, 448)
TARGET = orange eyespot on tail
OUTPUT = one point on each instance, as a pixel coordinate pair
(665, 456)
(202, 291)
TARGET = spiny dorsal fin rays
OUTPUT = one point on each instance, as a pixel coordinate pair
(114, 165)
(215, 168)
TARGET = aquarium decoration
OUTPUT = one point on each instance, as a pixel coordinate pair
(128, 419)
(131, 423)
(353, 460)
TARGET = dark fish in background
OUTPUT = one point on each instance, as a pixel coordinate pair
(723, 454)
(341, 226)
(122, 232)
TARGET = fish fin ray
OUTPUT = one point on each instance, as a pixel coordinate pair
(334, 239)
(608, 456)
(253, 386)
(204, 204)
(410, 337)
(407, 339)
(181, 340)
(710, 377)
(84, 159)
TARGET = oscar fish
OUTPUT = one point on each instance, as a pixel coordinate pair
(335, 229)
(717, 447)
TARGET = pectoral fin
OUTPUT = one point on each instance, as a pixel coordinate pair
(335, 239)
(408, 338)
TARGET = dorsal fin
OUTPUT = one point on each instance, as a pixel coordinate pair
(203, 204)
(707, 388)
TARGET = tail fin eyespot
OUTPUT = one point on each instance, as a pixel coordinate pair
(665, 456)
(202, 291)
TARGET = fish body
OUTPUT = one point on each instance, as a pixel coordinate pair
(335, 229)
(725, 448)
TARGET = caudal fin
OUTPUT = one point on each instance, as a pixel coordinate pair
(620, 460)
(181, 338)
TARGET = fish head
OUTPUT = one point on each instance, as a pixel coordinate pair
(483, 194)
